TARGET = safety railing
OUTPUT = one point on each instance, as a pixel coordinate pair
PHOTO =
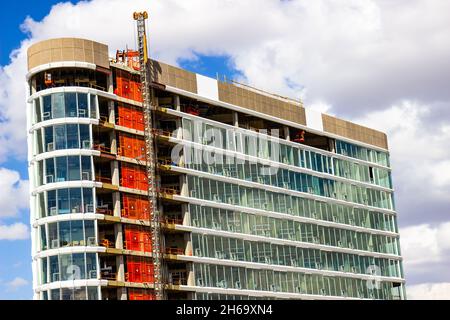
(172, 220)
(174, 250)
(108, 275)
(101, 147)
(104, 209)
(106, 243)
(169, 191)
(166, 161)
(161, 132)
(101, 178)
(135, 214)
(177, 278)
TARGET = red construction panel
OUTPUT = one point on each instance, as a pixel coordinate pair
(125, 117)
(138, 120)
(128, 86)
(138, 239)
(131, 146)
(130, 117)
(135, 207)
(149, 272)
(136, 90)
(141, 294)
(122, 84)
(133, 177)
(139, 270)
(134, 272)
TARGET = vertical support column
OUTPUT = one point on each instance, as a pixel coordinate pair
(122, 294)
(184, 191)
(179, 135)
(110, 83)
(120, 265)
(287, 134)
(235, 119)
(179, 128)
(118, 233)
(111, 112)
(332, 145)
(116, 204)
(176, 102)
(188, 248)
(190, 275)
(33, 86)
(115, 180)
(186, 215)
(113, 140)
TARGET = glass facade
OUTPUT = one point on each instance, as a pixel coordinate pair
(220, 276)
(259, 212)
(296, 181)
(362, 153)
(64, 105)
(312, 209)
(83, 293)
(260, 146)
(312, 233)
(65, 201)
(66, 136)
(65, 168)
(63, 240)
(236, 249)
(354, 232)
(68, 233)
(68, 267)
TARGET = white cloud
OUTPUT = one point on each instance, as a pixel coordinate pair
(16, 231)
(421, 169)
(429, 291)
(426, 253)
(346, 55)
(16, 283)
(353, 55)
(14, 193)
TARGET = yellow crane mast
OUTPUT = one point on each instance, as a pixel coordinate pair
(148, 109)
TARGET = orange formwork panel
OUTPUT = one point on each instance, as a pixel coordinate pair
(139, 270)
(141, 294)
(131, 146)
(136, 93)
(135, 207)
(133, 177)
(131, 118)
(128, 85)
(138, 239)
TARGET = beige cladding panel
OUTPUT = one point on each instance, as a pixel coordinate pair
(261, 103)
(174, 77)
(354, 131)
(68, 49)
(248, 99)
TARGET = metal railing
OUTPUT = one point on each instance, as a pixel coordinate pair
(174, 250)
(101, 147)
(169, 191)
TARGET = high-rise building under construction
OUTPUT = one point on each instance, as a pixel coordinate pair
(257, 197)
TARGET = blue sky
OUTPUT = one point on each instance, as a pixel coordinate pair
(369, 61)
(12, 15)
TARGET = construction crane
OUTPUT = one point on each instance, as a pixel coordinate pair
(150, 154)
